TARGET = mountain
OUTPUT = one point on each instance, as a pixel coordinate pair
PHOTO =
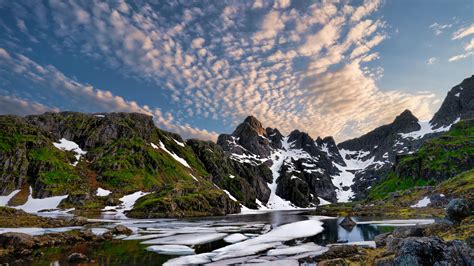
(378, 150)
(77, 155)
(123, 163)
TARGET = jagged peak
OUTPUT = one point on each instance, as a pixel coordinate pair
(251, 123)
(405, 116)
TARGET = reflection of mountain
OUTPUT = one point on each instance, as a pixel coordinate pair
(333, 232)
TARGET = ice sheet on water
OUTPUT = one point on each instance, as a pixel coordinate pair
(407, 222)
(234, 238)
(286, 250)
(187, 239)
(38, 230)
(357, 243)
(171, 249)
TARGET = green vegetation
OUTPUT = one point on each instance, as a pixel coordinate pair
(393, 183)
(437, 160)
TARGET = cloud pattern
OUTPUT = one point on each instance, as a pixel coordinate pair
(293, 65)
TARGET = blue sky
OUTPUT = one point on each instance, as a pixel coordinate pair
(335, 68)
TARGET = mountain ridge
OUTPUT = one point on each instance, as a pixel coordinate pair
(254, 167)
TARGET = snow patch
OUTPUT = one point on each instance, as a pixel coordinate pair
(426, 128)
(422, 203)
(176, 157)
(67, 145)
(128, 201)
(102, 192)
(5, 199)
(33, 205)
(179, 143)
(230, 195)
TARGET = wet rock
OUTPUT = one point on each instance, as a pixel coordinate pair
(121, 230)
(78, 221)
(403, 232)
(77, 258)
(108, 235)
(380, 240)
(457, 210)
(432, 251)
(333, 262)
(17, 240)
(347, 223)
(88, 234)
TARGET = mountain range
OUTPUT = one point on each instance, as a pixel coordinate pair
(97, 161)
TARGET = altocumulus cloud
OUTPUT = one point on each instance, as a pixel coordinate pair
(292, 64)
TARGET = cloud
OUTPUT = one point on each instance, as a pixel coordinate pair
(16, 106)
(293, 66)
(463, 32)
(460, 56)
(438, 29)
(85, 95)
(432, 60)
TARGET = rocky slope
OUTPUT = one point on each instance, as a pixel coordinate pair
(378, 150)
(78, 154)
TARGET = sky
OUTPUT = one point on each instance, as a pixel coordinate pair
(330, 68)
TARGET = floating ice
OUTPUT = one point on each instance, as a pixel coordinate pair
(38, 230)
(408, 222)
(357, 243)
(296, 249)
(171, 249)
(234, 238)
(187, 239)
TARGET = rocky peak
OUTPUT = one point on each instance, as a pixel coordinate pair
(249, 135)
(329, 146)
(403, 123)
(249, 126)
(275, 137)
(459, 103)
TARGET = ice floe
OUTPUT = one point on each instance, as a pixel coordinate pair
(286, 250)
(38, 230)
(187, 239)
(67, 145)
(234, 238)
(408, 222)
(171, 249)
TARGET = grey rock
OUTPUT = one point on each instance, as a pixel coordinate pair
(121, 230)
(347, 223)
(381, 239)
(457, 210)
(77, 258)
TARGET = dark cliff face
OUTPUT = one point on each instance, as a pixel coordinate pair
(458, 104)
(250, 135)
(403, 123)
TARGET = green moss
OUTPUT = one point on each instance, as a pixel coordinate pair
(393, 183)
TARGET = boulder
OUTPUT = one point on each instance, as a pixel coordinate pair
(381, 240)
(121, 230)
(17, 241)
(403, 232)
(457, 210)
(432, 251)
(77, 258)
(347, 223)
